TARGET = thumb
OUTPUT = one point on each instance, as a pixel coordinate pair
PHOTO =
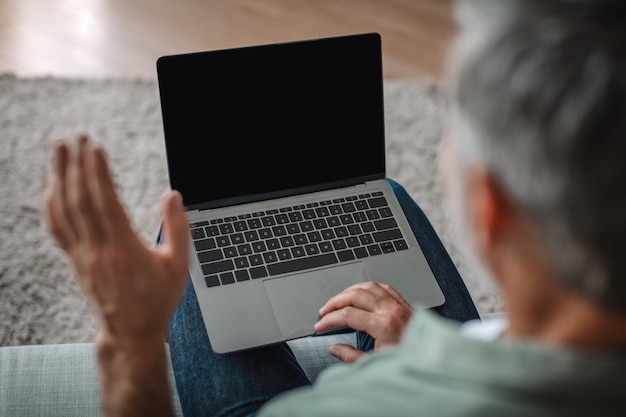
(175, 227)
(345, 353)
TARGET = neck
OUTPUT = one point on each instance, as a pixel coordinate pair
(541, 311)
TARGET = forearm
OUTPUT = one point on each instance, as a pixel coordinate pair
(133, 378)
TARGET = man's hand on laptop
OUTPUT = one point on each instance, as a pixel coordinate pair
(132, 288)
(377, 309)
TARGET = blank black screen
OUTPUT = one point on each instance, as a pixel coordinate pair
(262, 119)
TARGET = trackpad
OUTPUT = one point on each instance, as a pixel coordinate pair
(296, 299)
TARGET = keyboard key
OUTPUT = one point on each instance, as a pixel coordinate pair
(265, 233)
(385, 224)
(372, 214)
(385, 212)
(212, 231)
(212, 281)
(230, 219)
(325, 203)
(314, 236)
(258, 214)
(217, 267)
(199, 224)
(377, 193)
(244, 216)
(301, 206)
(312, 249)
(341, 231)
(282, 219)
(366, 239)
(210, 256)
(296, 216)
(197, 233)
(259, 247)
(293, 228)
(328, 234)
(348, 207)
(362, 196)
(255, 223)
(242, 275)
(359, 217)
(308, 214)
(298, 251)
(335, 209)
(230, 252)
(285, 209)
(279, 231)
(387, 235)
(306, 226)
(353, 242)
(320, 224)
(226, 228)
(217, 221)
(322, 212)
(237, 238)
(255, 260)
(387, 247)
(242, 262)
(351, 198)
(268, 221)
(374, 250)
(400, 244)
(240, 226)
(361, 253)
(339, 244)
(377, 202)
(326, 247)
(354, 229)
(273, 211)
(272, 244)
(300, 239)
(310, 205)
(205, 244)
(345, 255)
(368, 227)
(333, 221)
(227, 278)
(338, 200)
(222, 241)
(287, 241)
(346, 219)
(251, 235)
(258, 272)
(270, 257)
(284, 254)
(244, 249)
(361, 205)
(302, 264)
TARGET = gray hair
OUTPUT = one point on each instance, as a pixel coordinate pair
(538, 95)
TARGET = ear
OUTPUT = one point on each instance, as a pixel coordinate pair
(490, 213)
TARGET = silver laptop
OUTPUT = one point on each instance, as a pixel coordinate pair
(279, 153)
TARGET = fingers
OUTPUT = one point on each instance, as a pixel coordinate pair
(362, 295)
(176, 229)
(79, 200)
(115, 222)
(56, 215)
(345, 353)
(349, 316)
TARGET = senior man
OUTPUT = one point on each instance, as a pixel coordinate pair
(535, 175)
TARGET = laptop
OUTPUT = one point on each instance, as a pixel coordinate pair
(279, 153)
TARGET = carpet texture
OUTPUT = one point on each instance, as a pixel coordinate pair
(39, 300)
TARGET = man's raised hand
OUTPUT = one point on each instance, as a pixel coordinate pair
(132, 288)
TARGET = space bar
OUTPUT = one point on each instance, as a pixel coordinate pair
(301, 264)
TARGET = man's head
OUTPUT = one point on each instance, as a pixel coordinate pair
(538, 99)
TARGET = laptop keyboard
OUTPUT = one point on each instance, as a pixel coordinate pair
(278, 241)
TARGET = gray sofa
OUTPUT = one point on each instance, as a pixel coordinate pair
(62, 380)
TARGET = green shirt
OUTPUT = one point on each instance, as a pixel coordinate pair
(435, 371)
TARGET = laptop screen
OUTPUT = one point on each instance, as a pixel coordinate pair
(271, 120)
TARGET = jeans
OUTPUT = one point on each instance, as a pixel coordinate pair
(238, 384)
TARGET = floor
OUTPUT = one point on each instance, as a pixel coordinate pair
(103, 38)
